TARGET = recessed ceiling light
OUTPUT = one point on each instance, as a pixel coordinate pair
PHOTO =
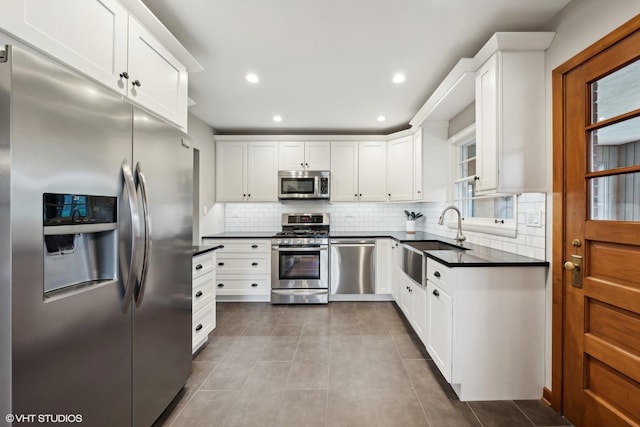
(381, 118)
(398, 78)
(277, 118)
(252, 78)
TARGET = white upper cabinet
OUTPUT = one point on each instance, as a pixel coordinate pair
(372, 168)
(358, 171)
(157, 80)
(262, 172)
(246, 171)
(400, 169)
(310, 155)
(88, 35)
(510, 140)
(101, 40)
(417, 165)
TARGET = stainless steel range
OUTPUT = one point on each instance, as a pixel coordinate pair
(300, 260)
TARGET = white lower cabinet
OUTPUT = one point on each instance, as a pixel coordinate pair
(413, 302)
(439, 320)
(485, 329)
(203, 298)
(243, 269)
(384, 264)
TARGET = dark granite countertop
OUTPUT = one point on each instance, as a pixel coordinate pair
(203, 249)
(242, 235)
(469, 255)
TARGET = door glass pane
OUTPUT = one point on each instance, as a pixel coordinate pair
(299, 265)
(615, 197)
(615, 146)
(616, 94)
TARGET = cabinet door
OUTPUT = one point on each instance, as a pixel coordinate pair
(384, 263)
(439, 328)
(87, 35)
(419, 311)
(262, 172)
(231, 161)
(372, 165)
(417, 165)
(157, 80)
(291, 156)
(344, 171)
(487, 125)
(317, 155)
(400, 169)
(405, 296)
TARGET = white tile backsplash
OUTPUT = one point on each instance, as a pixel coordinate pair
(266, 217)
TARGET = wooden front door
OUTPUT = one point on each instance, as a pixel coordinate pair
(601, 237)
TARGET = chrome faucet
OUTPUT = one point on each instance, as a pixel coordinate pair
(459, 237)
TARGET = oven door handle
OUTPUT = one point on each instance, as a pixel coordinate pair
(301, 249)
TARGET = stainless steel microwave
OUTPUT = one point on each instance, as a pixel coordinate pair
(303, 185)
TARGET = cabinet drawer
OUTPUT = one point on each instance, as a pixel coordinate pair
(203, 264)
(203, 291)
(240, 245)
(244, 286)
(232, 263)
(203, 322)
(440, 275)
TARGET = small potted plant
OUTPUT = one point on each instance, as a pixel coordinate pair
(411, 221)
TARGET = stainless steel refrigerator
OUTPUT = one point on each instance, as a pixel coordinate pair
(95, 250)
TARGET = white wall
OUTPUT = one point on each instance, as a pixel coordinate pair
(209, 222)
(577, 26)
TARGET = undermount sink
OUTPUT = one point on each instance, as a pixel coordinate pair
(434, 246)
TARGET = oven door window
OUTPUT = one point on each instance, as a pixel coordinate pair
(302, 265)
(297, 185)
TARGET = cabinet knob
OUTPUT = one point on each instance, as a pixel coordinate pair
(198, 327)
(437, 274)
(199, 294)
(124, 75)
(221, 285)
(301, 164)
(306, 164)
(244, 195)
(360, 195)
(476, 178)
(199, 267)
(254, 285)
(254, 246)
(501, 221)
(136, 83)
(254, 264)
(436, 293)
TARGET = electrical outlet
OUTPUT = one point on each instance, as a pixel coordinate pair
(534, 219)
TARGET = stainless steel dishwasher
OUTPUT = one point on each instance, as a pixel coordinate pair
(353, 266)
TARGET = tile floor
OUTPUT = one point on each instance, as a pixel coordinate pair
(341, 364)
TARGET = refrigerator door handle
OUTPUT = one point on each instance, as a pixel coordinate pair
(147, 235)
(135, 235)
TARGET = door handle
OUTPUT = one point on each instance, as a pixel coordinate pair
(147, 235)
(575, 267)
(135, 235)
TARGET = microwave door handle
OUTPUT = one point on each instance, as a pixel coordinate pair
(134, 262)
(147, 235)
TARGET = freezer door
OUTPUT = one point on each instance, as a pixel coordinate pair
(162, 313)
(71, 352)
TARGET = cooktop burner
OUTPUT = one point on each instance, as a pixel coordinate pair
(303, 233)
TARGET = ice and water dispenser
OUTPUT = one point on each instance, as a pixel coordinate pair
(80, 241)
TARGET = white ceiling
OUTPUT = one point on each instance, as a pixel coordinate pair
(325, 66)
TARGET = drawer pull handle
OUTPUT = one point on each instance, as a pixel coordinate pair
(199, 267)
(198, 327)
(437, 274)
(220, 264)
(199, 294)
(436, 293)
(254, 246)
(254, 285)
(254, 264)
(221, 285)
